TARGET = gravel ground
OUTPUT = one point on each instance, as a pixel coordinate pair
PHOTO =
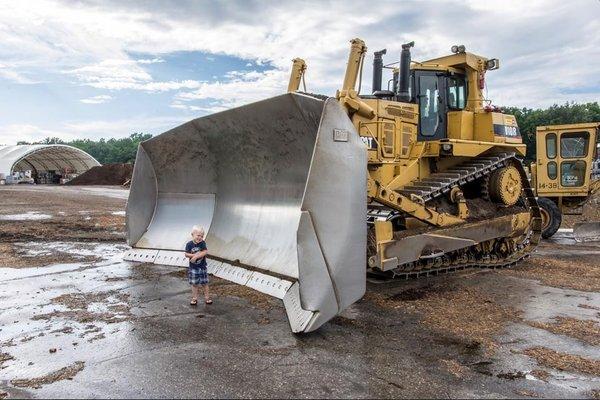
(77, 321)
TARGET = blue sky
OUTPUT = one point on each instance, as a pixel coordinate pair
(91, 69)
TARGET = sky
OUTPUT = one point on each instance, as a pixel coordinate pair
(106, 69)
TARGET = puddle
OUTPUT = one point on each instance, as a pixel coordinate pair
(28, 216)
(107, 252)
(103, 250)
(562, 236)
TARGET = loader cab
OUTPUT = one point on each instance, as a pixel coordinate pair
(436, 93)
(565, 158)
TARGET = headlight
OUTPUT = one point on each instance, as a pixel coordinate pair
(492, 64)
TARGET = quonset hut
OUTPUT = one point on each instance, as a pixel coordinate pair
(42, 163)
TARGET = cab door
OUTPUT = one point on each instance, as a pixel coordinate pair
(564, 161)
(547, 162)
(431, 97)
(575, 155)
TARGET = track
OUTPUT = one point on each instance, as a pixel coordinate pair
(496, 253)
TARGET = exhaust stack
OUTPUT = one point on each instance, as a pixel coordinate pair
(378, 69)
(403, 94)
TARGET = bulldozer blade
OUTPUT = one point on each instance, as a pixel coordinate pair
(586, 232)
(280, 188)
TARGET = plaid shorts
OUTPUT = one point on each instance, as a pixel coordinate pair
(197, 275)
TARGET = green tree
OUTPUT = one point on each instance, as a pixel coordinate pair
(121, 150)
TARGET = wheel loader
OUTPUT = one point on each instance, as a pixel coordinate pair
(564, 176)
(303, 195)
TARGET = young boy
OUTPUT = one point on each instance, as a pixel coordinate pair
(196, 251)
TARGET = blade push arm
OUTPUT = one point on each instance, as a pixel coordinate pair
(297, 75)
(348, 96)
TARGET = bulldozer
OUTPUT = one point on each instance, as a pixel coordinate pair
(303, 195)
(565, 175)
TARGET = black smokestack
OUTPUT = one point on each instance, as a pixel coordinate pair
(378, 69)
(403, 94)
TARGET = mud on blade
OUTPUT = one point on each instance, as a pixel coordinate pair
(279, 186)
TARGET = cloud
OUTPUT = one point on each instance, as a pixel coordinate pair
(239, 88)
(180, 106)
(111, 71)
(150, 61)
(11, 133)
(97, 99)
(548, 49)
(122, 127)
(11, 73)
(125, 74)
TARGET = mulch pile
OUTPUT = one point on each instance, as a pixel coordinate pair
(590, 212)
(577, 274)
(585, 330)
(466, 313)
(563, 361)
(62, 374)
(108, 174)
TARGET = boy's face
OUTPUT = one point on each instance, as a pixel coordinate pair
(197, 236)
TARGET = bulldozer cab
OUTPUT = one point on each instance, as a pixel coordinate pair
(565, 159)
(449, 94)
(437, 93)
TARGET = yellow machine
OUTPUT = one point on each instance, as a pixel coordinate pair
(445, 186)
(283, 186)
(565, 174)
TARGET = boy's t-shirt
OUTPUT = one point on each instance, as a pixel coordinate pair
(192, 247)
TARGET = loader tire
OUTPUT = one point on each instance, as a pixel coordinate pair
(551, 217)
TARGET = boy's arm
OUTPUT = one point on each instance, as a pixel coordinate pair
(195, 256)
(187, 251)
(202, 253)
(203, 250)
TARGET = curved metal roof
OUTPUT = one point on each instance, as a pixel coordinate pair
(44, 157)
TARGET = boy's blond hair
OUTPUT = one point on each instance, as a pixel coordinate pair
(199, 229)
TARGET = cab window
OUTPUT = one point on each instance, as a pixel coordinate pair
(551, 145)
(457, 92)
(574, 144)
(572, 173)
(552, 170)
(428, 104)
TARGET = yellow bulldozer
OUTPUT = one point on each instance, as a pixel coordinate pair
(565, 175)
(302, 195)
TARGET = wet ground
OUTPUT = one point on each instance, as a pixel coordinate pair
(101, 327)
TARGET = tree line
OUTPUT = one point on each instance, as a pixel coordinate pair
(109, 151)
(569, 113)
(124, 150)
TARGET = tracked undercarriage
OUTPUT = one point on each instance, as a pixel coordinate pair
(496, 236)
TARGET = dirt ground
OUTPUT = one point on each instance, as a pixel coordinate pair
(77, 321)
(590, 212)
(107, 174)
(33, 214)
